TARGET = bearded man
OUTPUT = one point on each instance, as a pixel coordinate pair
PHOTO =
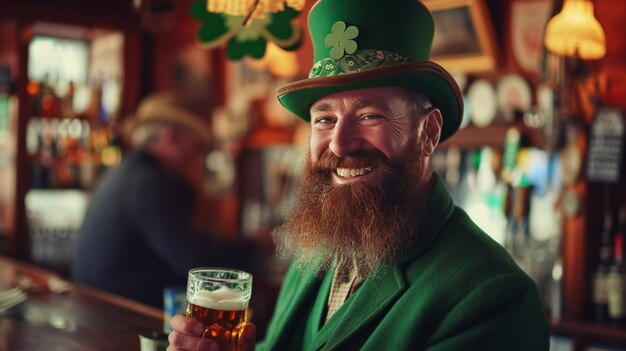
(383, 259)
(363, 181)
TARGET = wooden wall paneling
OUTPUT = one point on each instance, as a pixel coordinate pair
(132, 82)
(21, 237)
(167, 47)
(611, 15)
(305, 52)
(85, 13)
(576, 273)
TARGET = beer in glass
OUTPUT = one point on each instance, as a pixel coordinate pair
(218, 298)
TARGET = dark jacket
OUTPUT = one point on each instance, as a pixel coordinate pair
(137, 237)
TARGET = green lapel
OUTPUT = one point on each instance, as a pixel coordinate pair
(300, 298)
(371, 300)
(320, 303)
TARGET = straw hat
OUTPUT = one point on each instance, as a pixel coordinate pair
(165, 108)
(374, 43)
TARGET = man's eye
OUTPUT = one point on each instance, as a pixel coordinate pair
(372, 118)
(322, 122)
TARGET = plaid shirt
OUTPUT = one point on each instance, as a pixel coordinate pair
(344, 284)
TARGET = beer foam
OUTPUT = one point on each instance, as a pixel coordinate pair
(224, 299)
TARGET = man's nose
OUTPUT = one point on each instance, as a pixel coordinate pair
(346, 138)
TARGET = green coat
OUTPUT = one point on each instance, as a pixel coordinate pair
(456, 289)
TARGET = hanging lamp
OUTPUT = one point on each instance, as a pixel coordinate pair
(575, 32)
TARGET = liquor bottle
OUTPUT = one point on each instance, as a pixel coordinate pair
(556, 290)
(67, 101)
(518, 237)
(95, 100)
(616, 277)
(35, 93)
(111, 155)
(88, 159)
(50, 104)
(60, 155)
(52, 151)
(35, 142)
(45, 159)
(599, 297)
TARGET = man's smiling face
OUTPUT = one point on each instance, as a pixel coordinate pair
(360, 127)
(364, 189)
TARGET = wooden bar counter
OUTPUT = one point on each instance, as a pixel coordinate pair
(60, 315)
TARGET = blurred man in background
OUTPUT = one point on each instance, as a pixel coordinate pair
(138, 236)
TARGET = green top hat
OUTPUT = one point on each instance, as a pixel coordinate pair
(373, 43)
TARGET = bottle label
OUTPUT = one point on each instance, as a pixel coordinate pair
(600, 289)
(616, 287)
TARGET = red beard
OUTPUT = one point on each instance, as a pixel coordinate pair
(362, 224)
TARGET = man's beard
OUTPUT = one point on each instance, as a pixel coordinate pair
(359, 225)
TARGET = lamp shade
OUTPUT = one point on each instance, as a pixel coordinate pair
(259, 8)
(575, 32)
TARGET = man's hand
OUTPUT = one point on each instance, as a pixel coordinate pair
(247, 341)
(187, 336)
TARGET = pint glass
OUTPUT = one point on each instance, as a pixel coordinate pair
(218, 298)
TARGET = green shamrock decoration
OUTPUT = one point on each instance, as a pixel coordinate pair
(340, 40)
(248, 40)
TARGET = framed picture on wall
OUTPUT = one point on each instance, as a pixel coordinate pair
(464, 39)
(526, 24)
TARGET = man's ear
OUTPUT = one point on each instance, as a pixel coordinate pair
(432, 123)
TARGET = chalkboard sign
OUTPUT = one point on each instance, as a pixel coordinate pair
(606, 144)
